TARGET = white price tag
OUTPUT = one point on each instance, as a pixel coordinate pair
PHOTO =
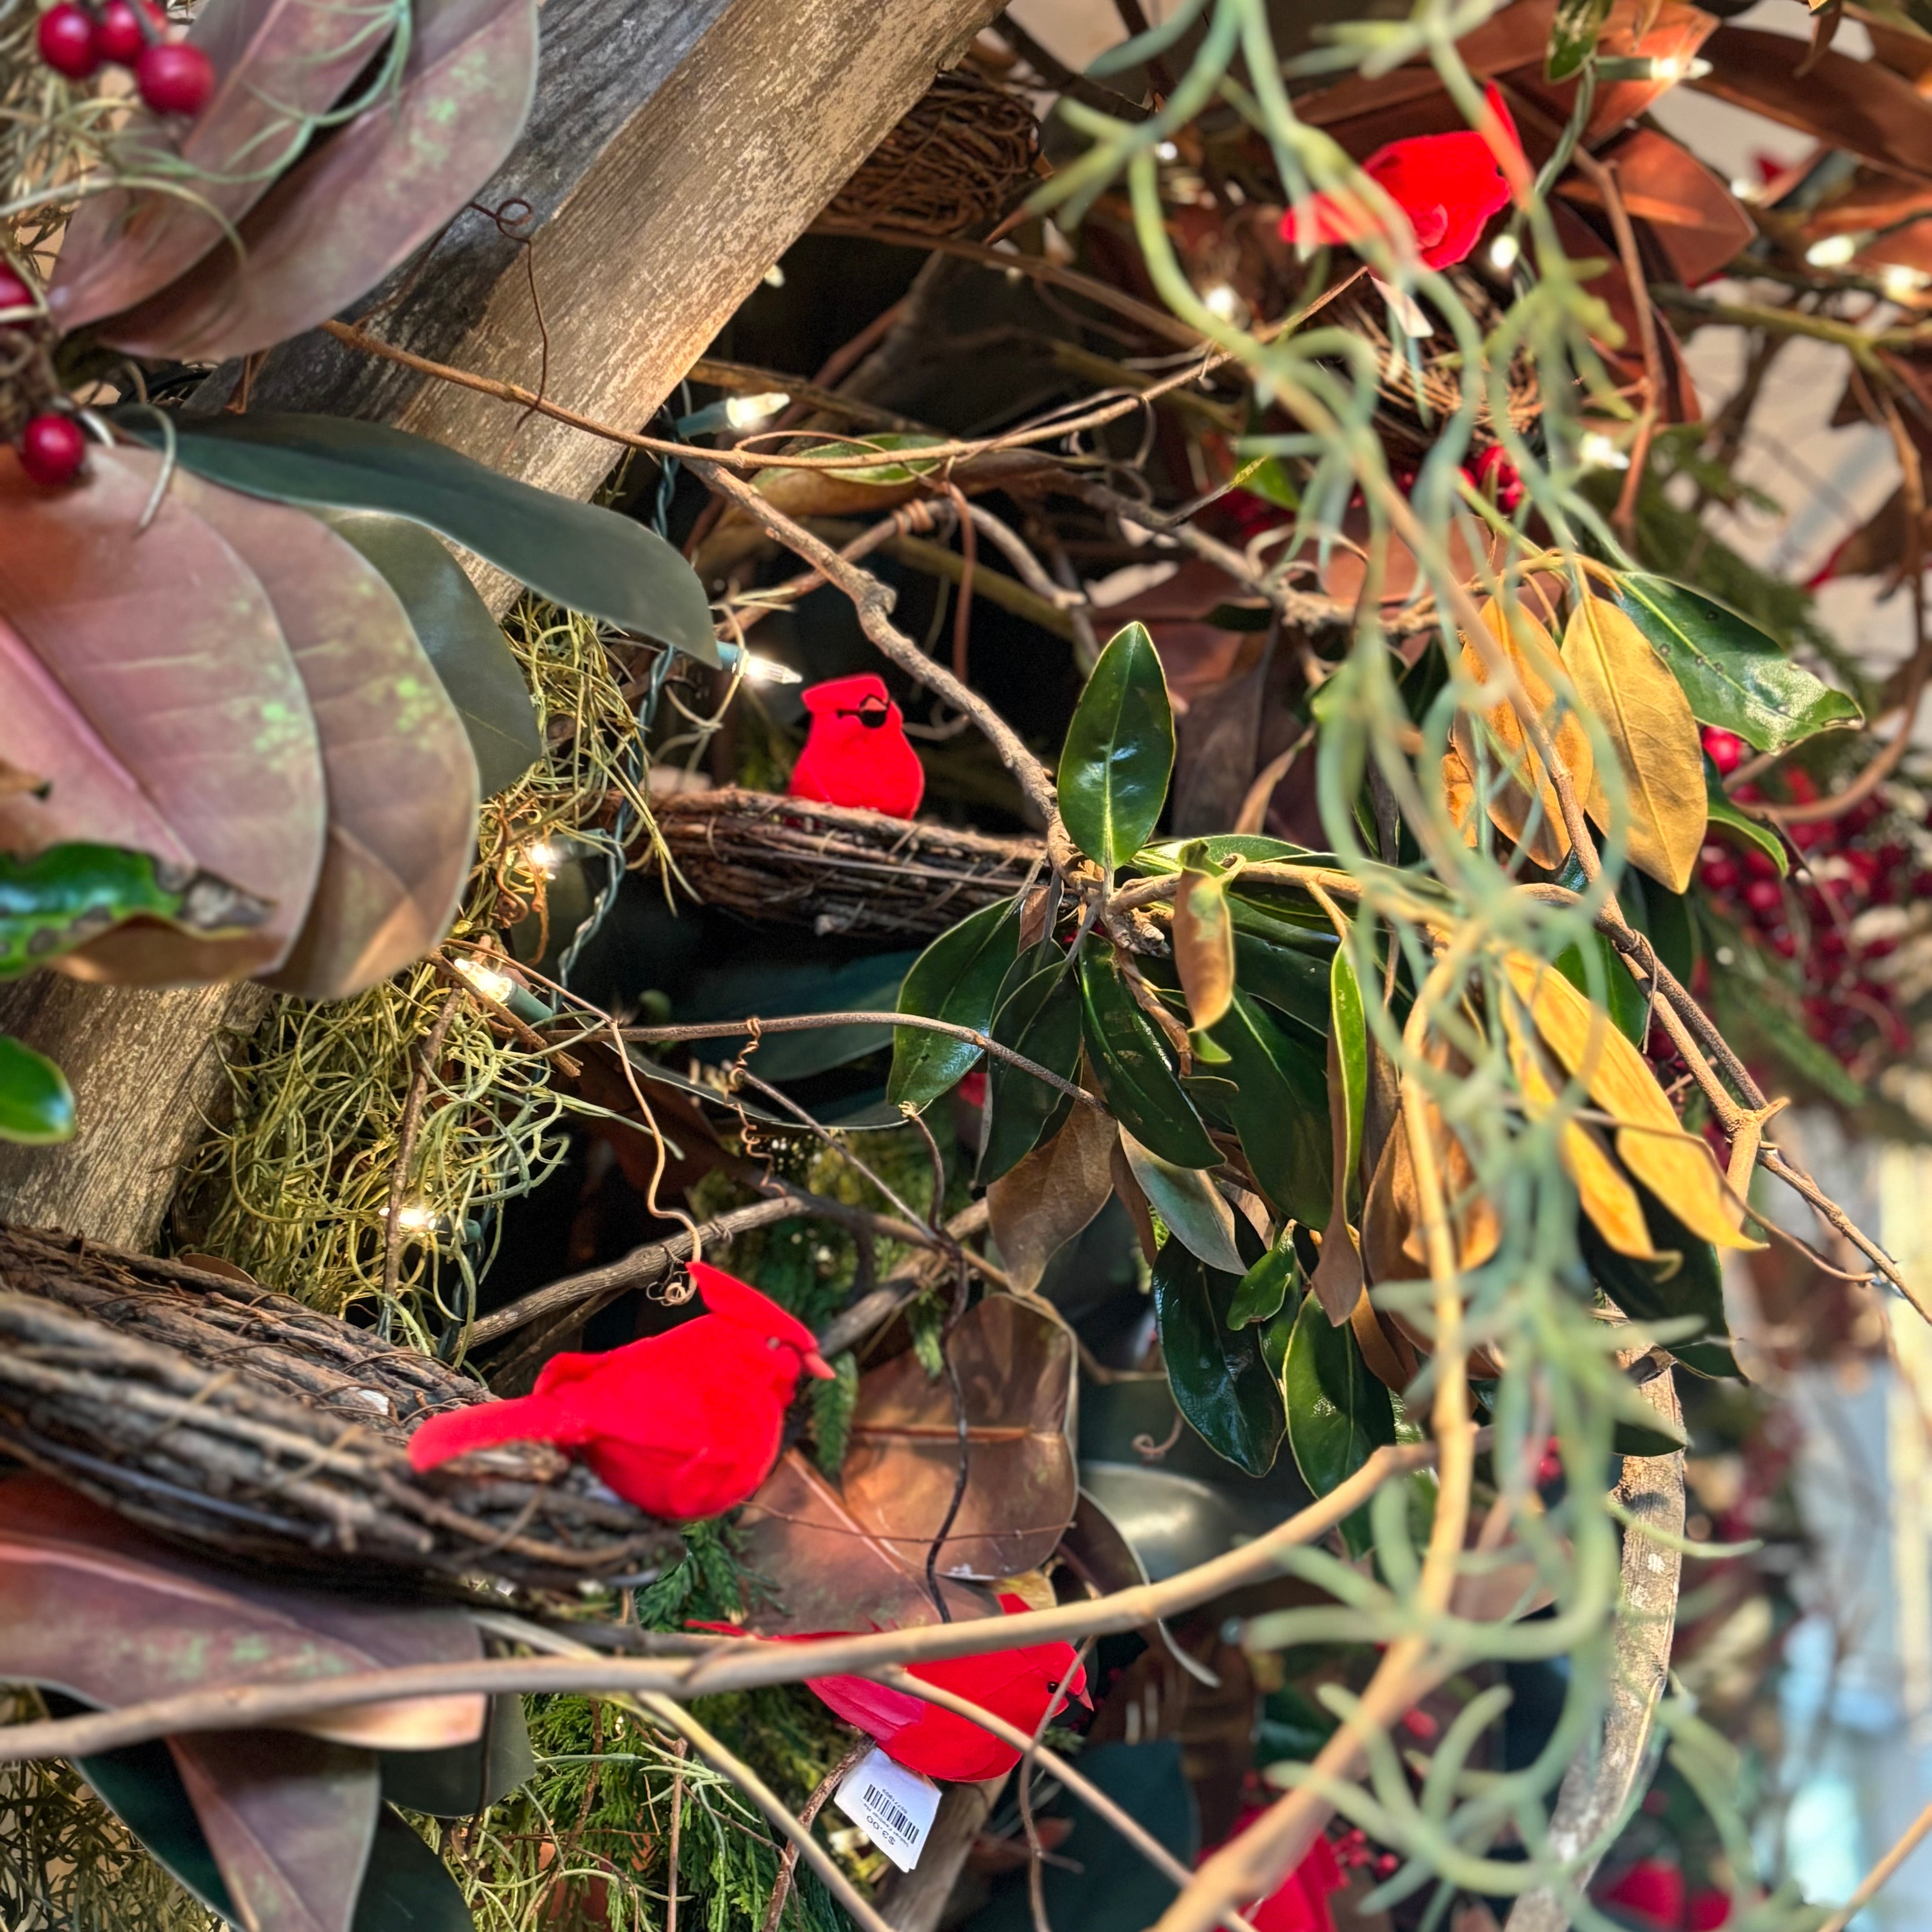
(893, 1806)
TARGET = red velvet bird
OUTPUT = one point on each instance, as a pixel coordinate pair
(857, 752)
(685, 1424)
(1015, 1684)
(1448, 185)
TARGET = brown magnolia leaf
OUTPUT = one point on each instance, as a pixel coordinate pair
(1459, 791)
(1388, 1352)
(364, 199)
(1620, 677)
(1204, 947)
(144, 673)
(1531, 653)
(399, 776)
(1607, 1197)
(843, 1556)
(1675, 1166)
(1038, 1206)
(289, 1819)
(1133, 1201)
(1695, 218)
(93, 1605)
(276, 63)
(1393, 1247)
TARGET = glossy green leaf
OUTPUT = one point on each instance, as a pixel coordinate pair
(1279, 1108)
(460, 638)
(406, 1887)
(1574, 35)
(1130, 1061)
(1747, 830)
(1119, 752)
(1039, 1015)
(579, 555)
(1197, 1214)
(1735, 677)
(1338, 1414)
(778, 988)
(1629, 1010)
(1263, 1290)
(1350, 1032)
(956, 978)
(1221, 1383)
(866, 467)
(1651, 1291)
(459, 1781)
(1219, 848)
(1292, 978)
(36, 1103)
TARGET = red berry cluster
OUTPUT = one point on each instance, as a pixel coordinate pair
(1851, 863)
(51, 445)
(76, 40)
(1352, 1851)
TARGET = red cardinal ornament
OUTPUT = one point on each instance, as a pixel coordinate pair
(1448, 185)
(857, 752)
(685, 1424)
(1299, 1903)
(1015, 1684)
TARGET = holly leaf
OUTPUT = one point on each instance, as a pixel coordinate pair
(1733, 676)
(465, 643)
(956, 978)
(36, 1103)
(1118, 754)
(579, 555)
(1138, 1085)
(1221, 1382)
(1338, 1414)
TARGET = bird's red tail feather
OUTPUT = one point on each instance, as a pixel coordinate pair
(458, 1431)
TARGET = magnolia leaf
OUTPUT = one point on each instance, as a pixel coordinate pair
(1685, 1280)
(1531, 653)
(68, 895)
(461, 1779)
(1622, 995)
(465, 643)
(1221, 1381)
(406, 1888)
(1734, 819)
(1204, 945)
(1118, 753)
(1039, 1016)
(956, 978)
(1392, 1247)
(1651, 1143)
(1574, 34)
(397, 767)
(1337, 1279)
(1195, 1212)
(363, 200)
(579, 555)
(1458, 787)
(1733, 676)
(1041, 1205)
(150, 685)
(1339, 1414)
(94, 1606)
(1606, 1196)
(1130, 1064)
(278, 64)
(1643, 709)
(1293, 978)
(1263, 1290)
(1279, 1108)
(36, 1103)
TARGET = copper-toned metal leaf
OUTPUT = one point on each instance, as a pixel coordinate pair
(364, 199)
(401, 778)
(277, 62)
(94, 1606)
(1696, 220)
(143, 673)
(1038, 1206)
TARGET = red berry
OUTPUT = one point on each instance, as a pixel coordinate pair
(174, 79)
(1784, 944)
(1726, 748)
(124, 34)
(14, 293)
(52, 449)
(68, 41)
(1808, 832)
(1763, 895)
(1721, 875)
(1760, 864)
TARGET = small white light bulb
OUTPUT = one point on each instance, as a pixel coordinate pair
(1901, 283)
(769, 670)
(1220, 300)
(748, 412)
(488, 981)
(774, 277)
(544, 858)
(1504, 251)
(1597, 451)
(1833, 252)
(1166, 151)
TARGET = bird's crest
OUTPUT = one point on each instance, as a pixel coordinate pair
(738, 1303)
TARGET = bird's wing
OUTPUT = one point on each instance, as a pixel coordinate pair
(877, 1709)
(561, 1370)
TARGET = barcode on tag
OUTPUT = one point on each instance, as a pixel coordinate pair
(893, 1806)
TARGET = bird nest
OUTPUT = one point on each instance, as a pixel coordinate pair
(232, 1418)
(963, 155)
(834, 867)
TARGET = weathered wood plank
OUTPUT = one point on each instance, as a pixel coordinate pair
(676, 148)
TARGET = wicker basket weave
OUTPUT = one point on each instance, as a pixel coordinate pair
(233, 1418)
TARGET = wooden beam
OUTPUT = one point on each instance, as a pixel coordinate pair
(676, 149)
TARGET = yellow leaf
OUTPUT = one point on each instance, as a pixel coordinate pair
(1619, 675)
(1676, 1166)
(1459, 790)
(1532, 653)
(1607, 1197)
(1204, 947)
